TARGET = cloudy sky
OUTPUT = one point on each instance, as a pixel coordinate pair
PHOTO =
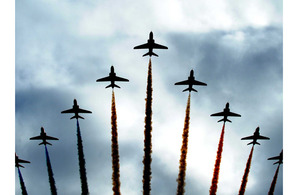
(63, 47)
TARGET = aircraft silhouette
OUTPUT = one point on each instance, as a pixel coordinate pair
(226, 112)
(76, 110)
(18, 160)
(255, 137)
(112, 78)
(43, 136)
(190, 82)
(150, 45)
(279, 158)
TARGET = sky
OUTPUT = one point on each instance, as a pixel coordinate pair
(63, 47)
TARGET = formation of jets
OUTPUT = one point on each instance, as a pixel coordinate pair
(256, 135)
(279, 158)
(112, 78)
(226, 113)
(18, 161)
(150, 45)
(76, 110)
(43, 136)
(190, 82)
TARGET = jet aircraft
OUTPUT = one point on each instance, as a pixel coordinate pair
(112, 78)
(256, 135)
(18, 161)
(226, 112)
(190, 82)
(150, 45)
(76, 110)
(279, 158)
(43, 136)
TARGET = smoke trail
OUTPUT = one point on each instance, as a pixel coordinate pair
(184, 149)
(272, 188)
(148, 129)
(82, 171)
(115, 148)
(214, 182)
(24, 192)
(50, 173)
(246, 173)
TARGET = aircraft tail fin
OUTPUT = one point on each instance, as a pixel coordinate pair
(224, 120)
(190, 89)
(117, 86)
(254, 143)
(150, 54)
(76, 117)
(109, 86)
(45, 142)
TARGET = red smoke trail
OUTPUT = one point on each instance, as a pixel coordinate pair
(246, 173)
(214, 182)
(23, 188)
(82, 170)
(115, 149)
(272, 188)
(184, 150)
(50, 173)
(148, 136)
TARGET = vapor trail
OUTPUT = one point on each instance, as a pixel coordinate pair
(214, 182)
(115, 149)
(50, 173)
(184, 150)
(148, 136)
(272, 188)
(246, 173)
(24, 192)
(82, 170)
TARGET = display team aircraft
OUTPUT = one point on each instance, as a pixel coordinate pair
(18, 160)
(150, 45)
(76, 110)
(255, 137)
(112, 78)
(226, 112)
(43, 136)
(190, 82)
(279, 158)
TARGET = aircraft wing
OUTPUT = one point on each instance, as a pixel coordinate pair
(51, 138)
(262, 137)
(232, 114)
(120, 79)
(23, 161)
(158, 46)
(274, 158)
(249, 137)
(143, 46)
(104, 79)
(83, 111)
(68, 111)
(199, 83)
(37, 137)
(186, 82)
(218, 114)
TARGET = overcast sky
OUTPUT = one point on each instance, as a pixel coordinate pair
(63, 47)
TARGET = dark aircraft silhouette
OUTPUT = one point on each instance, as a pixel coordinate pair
(226, 112)
(18, 160)
(190, 82)
(150, 45)
(279, 158)
(76, 110)
(255, 137)
(112, 78)
(43, 136)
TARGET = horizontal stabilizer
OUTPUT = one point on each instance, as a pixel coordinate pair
(190, 89)
(150, 54)
(224, 120)
(45, 143)
(75, 117)
(253, 143)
